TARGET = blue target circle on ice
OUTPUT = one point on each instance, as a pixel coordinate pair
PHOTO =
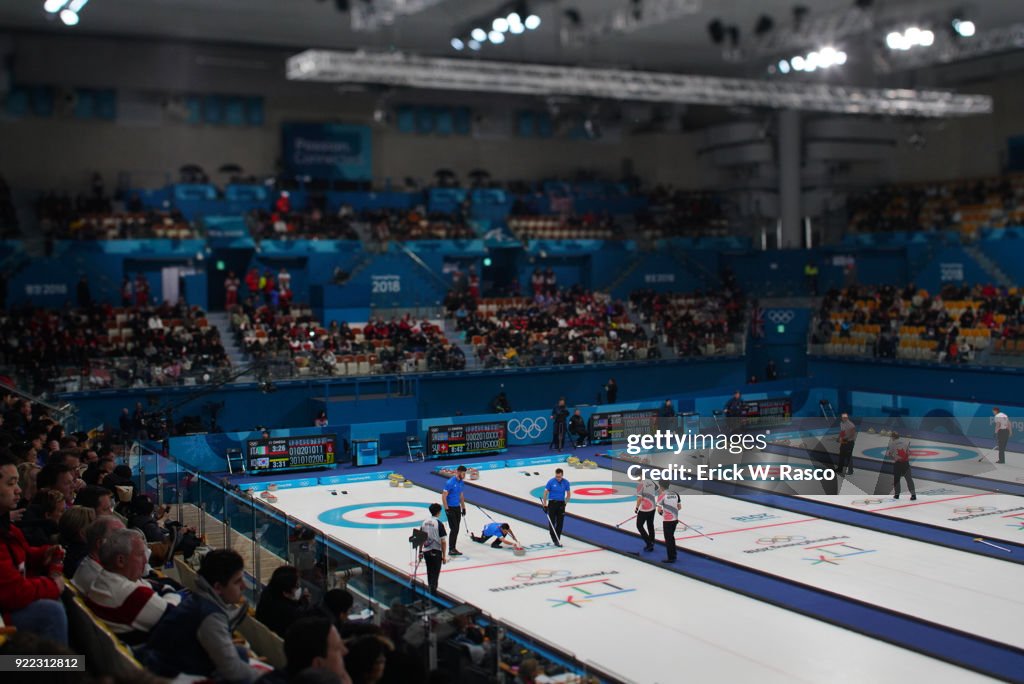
(596, 492)
(927, 453)
(393, 514)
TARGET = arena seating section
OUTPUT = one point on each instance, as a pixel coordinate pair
(965, 205)
(106, 346)
(914, 325)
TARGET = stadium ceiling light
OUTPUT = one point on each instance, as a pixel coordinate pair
(497, 29)
(825, 58)
(473, 44)
(451, 74)
(912, 37)
(69, 18)
(964, 27)
(54, 6)
(458, 44)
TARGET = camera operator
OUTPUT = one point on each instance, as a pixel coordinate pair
(434, 547)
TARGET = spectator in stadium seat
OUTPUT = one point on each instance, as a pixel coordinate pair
(27, 476)
(57, 476)
(100, 499)
(196, 637)
(30, 579)
(72, 526)
(312, 644)
(283, 601)
(336, 605)
(129, 605)
(98, 471)
(143, 519)
(89, 567)
(367, 659)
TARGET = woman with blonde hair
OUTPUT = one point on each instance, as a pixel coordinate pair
(72, 536)
(27, 482)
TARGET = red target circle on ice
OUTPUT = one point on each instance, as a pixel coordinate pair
(595, 491)
(923, 453)
(388, 514)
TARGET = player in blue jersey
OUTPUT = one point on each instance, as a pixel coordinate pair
(553, 500)
(454, 502)
(499, 531)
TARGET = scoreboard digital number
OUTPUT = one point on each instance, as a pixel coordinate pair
(617, 426)
(467, 439)
(767, 412)
(279, 454)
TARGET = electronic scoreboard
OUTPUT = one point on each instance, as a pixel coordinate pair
(767, 412)
(618, 425)
(467, 439)
(279, 454)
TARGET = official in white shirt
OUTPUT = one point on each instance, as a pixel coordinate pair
(1003, 431)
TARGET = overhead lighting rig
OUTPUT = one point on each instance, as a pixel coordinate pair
(618, 84)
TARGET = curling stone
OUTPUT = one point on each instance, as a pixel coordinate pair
(396, 476)
(268, 497)
(407, 484)
(394, 483)
(473, 473)
(519, 551)
(271, 487)
(871, 431)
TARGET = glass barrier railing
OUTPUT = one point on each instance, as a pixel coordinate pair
(442, 635)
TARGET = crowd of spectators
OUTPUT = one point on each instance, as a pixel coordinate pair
(963, 204)
(104, 346)
(679, 213)
(95, 216)
(694, 324)
(380, 225)
(290, 335)
(554, 327)
(120, 226)
(57, 529)
(888, 322)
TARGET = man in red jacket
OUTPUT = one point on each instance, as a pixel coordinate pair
(30, 576)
